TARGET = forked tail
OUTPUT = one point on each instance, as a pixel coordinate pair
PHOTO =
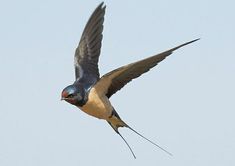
(116, 122)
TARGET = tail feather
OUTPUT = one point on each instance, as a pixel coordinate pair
(115, 122)
(116, 130)
(150, 141)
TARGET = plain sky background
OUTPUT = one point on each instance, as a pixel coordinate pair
(185, 104)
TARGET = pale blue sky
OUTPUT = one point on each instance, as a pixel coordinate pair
(185, 104)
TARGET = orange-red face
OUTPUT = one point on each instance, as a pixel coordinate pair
(64, 95)
(68, 94)
(72, 95)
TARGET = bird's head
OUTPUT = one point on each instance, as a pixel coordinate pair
(74, 94)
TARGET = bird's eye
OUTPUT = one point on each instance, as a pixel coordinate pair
(71, 96)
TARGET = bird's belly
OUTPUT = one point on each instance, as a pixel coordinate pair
(97, 105)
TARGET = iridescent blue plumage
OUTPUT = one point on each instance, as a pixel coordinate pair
(74, 94)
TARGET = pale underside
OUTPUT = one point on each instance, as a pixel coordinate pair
(98, 105)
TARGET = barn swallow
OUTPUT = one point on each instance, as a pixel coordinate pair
(90, 92)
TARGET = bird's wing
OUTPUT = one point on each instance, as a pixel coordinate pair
(88, 51)
(113, 81)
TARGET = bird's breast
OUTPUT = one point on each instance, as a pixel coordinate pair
(97, 105)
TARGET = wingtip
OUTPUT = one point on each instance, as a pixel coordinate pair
(192, 41)
(101, 5)
(195, 40)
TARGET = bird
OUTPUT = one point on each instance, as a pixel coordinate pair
(90, 92)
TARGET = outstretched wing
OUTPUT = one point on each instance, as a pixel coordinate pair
(113, 81)
(88, 51)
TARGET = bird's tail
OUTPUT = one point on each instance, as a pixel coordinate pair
(115, 122)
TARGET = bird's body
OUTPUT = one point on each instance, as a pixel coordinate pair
(91, 93)
(97, 105)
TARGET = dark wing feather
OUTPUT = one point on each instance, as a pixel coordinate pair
(88, 51)
(118, 78)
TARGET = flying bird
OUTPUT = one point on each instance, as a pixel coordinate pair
(90, 92)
